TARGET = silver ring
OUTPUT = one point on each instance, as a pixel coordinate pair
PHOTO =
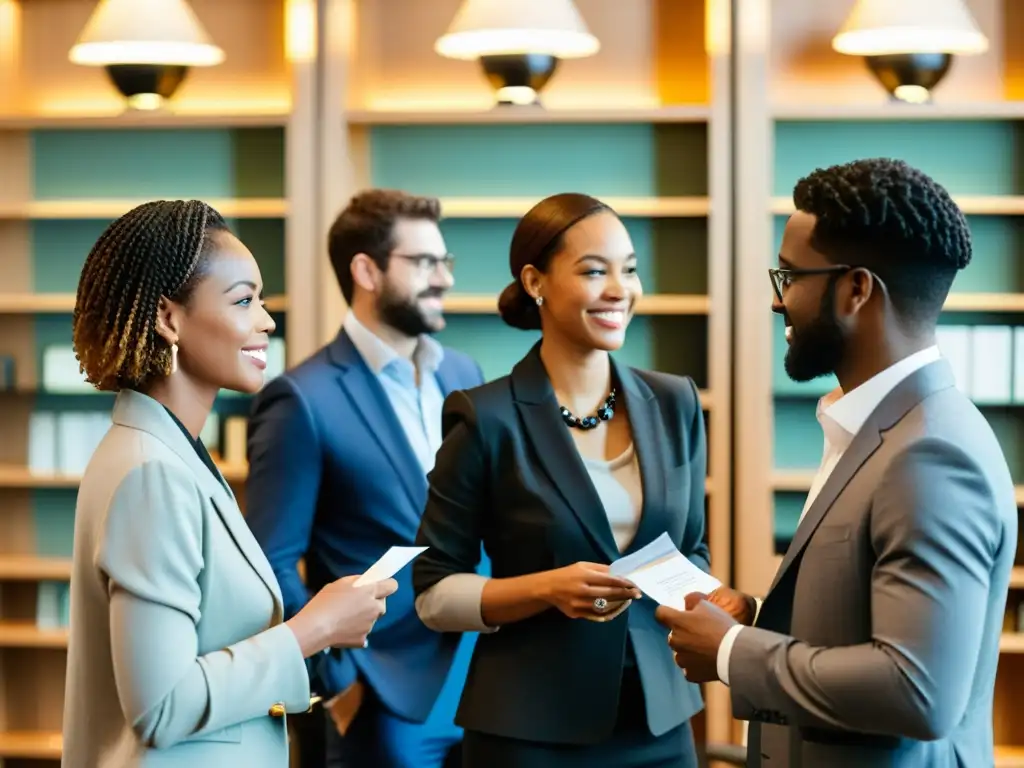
(600, 604)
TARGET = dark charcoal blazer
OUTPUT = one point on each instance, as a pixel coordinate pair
(508, 474)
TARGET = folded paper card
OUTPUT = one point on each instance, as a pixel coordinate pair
(663, 573)
(392, 561)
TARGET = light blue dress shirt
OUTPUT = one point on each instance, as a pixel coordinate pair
(418, 408)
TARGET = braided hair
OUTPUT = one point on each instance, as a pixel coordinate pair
(893, 219)
(158, 249)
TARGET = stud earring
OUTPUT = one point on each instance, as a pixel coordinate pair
(539, 300)
(174, 358)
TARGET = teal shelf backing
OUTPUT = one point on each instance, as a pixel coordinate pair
(632, 160)
(153, 164)
(59, 248)
(968, 158)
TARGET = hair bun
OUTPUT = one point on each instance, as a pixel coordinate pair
(517, 308)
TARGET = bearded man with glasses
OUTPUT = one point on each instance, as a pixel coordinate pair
(878, 641)
(339, 449)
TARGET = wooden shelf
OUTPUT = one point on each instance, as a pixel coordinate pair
(33, 745)
(236, 208)
(999, 110)
(654, 304)
(1017, 577)
(977, 205)
(984, 302)
(63, 303)
(12, 476)
(1009, 757)
(695, 113)
(137, 120)
(32, 568)
(1011, 642)
(513, 207)
(25, 634)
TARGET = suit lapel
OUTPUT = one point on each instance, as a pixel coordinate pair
(644, 422)
(557, 453)
(370, 402)
(139, 411)
(904, 397)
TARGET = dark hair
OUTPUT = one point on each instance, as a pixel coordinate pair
(537, 238)
(158, 249)
(894, 220)
(367, 224)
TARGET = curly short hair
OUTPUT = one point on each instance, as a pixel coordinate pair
(893, 219)
(367, 224)
(158, 249)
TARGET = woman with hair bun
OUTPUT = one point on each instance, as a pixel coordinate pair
(568, 463)
(178, 655)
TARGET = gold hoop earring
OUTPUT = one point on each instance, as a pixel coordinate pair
(174, 358)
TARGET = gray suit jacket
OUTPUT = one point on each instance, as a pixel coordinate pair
(878, 642)
(177, 651)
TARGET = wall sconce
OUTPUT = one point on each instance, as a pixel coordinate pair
(518, 44)
(146, 47)
(908, 45)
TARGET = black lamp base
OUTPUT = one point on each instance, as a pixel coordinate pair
(146, 86)
(518, 79)
(910, 77)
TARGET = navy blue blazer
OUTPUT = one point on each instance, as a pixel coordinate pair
(333, 480)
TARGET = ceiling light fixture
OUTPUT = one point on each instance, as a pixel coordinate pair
(518, 44)
(146, 47)
(908, 45)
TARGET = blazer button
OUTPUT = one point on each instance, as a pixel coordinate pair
(277, 710)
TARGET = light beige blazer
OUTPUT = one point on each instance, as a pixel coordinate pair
(177, 652)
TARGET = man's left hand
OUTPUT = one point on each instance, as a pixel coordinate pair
(695, 635)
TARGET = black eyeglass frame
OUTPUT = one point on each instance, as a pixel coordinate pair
(427, 262)
(778, 274)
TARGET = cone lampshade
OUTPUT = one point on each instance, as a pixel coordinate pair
(909, 45)
(517, 43)
(145, 46)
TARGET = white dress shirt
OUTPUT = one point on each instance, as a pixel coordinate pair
(841, 417)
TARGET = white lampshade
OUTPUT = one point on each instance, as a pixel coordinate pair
(881, 27)
(497, 27)
(160, 32)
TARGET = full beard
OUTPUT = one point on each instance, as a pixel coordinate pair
(405, 316)
(817, 349)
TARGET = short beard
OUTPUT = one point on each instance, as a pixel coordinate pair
(403, 315)
(817, 350)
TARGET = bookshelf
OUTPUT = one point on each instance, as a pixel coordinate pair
(803, 106)
(238, 136)
(644, 125)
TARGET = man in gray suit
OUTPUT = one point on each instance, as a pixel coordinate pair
(878, 641)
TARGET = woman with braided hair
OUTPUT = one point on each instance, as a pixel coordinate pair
(178, 654)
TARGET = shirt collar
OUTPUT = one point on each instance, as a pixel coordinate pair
(841, 416)
(380, 356)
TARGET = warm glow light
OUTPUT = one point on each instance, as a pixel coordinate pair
(494, 27)
(880, 27)
(300, 30)
(164, 32)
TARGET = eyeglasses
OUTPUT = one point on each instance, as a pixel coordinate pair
(427, 262)
(783, 278)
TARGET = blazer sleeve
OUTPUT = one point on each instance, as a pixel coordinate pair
(151, 551)
(282, 488)
(694, 544)
(936, 533)
(451, 526)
